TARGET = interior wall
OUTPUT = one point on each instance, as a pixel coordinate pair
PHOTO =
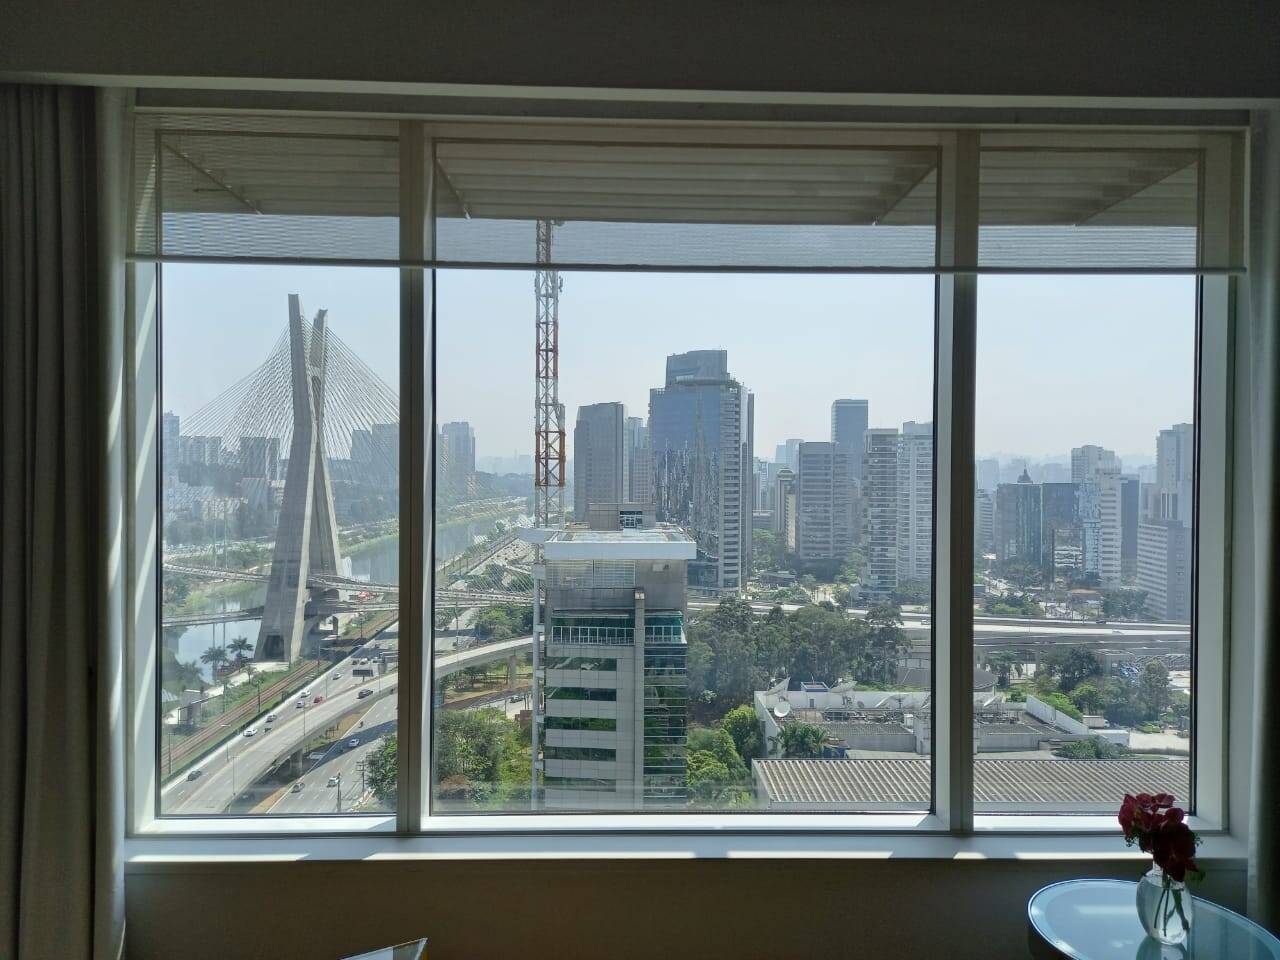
(566, 909)
(1088, 48)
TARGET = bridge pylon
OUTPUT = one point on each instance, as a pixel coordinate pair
(307, 533)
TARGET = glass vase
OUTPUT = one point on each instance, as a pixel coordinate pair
(1164, 906)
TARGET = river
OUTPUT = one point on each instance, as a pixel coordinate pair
(376, 561)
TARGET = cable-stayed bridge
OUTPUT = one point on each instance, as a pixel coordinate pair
(318, 414)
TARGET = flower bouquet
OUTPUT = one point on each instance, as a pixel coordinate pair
(1160, 829)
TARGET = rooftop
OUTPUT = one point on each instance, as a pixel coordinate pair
(581, 543)
(1042, 786)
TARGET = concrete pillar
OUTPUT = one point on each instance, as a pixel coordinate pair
(307, 534)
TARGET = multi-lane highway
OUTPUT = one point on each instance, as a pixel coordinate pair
(229, 769)
(342, 761)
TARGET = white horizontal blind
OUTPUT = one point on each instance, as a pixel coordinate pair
(306, 188)
(686, 205)
(265, 187)
(1083, 208)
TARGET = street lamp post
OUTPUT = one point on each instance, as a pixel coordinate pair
(339, 791)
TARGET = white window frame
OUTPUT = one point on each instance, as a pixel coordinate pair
(946, 830)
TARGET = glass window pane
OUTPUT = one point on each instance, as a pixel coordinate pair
(1084, 532)
(279, 464)
(735, 601)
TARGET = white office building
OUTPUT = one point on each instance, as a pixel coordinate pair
(610, 700)
(1097, 471)
(880, 511)
(915, 502)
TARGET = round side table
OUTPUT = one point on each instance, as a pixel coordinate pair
(1098, 920)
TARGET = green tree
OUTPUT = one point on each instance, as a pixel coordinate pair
(1153, 690)
(494, 623)
(768, 551)
(1003, 662)
(1078, 666)
(381, 772)
(886, 644)
(745, 728)
(1122, 708)
(912, 591)
(708, 777)
(799, 741)
(1091, 748)
(215, 657)
(240, 649)
(1021, 573)
(1090, 696)
(1124, 604)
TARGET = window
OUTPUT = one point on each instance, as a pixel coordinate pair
(1084, 499)
(710, 581)
(785, 588)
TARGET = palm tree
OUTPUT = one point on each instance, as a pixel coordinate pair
(216, 657)
(240, 647)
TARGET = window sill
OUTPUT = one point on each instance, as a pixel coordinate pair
(588, 839)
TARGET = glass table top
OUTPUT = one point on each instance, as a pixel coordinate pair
(401, 951)
(1098, 920)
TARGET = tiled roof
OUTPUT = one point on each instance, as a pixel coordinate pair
(1083, 786)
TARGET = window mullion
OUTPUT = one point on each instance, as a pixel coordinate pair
(415, 480)
(953, 476)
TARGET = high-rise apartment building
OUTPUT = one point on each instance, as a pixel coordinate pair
(848, 427)
(456, 472)
(880, 511)
(701, 433)
(1097, 471)
(1060, 505)
(915, 503)
(1129, 516)
(599, 457)
(984, 520)
(610, 704)
(784, 515)
(260, 457)
(1164, 568)
(1019, 521)
(1091, 460)
(986, 475)
(1165, 527)
(787, 453)
(824, 503)
(1175, 473)
(639, 463)
(170, 431)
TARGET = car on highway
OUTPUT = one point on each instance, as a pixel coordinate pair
(305, 693)
(297, 787)
(300, 704)
(195, 774)
(251, 731)
(319, 698)
(366, 692)
(337, 675)
(353, 743)
(272, 717)
(333, 782)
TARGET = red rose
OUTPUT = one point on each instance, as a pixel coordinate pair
(1173, 846)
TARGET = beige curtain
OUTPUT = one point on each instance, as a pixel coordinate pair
(1264, 346)
(61, 887)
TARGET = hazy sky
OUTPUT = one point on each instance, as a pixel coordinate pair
(1062, 360)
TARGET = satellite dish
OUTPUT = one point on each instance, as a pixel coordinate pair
(781, 708)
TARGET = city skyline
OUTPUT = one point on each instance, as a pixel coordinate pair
(216, 315)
